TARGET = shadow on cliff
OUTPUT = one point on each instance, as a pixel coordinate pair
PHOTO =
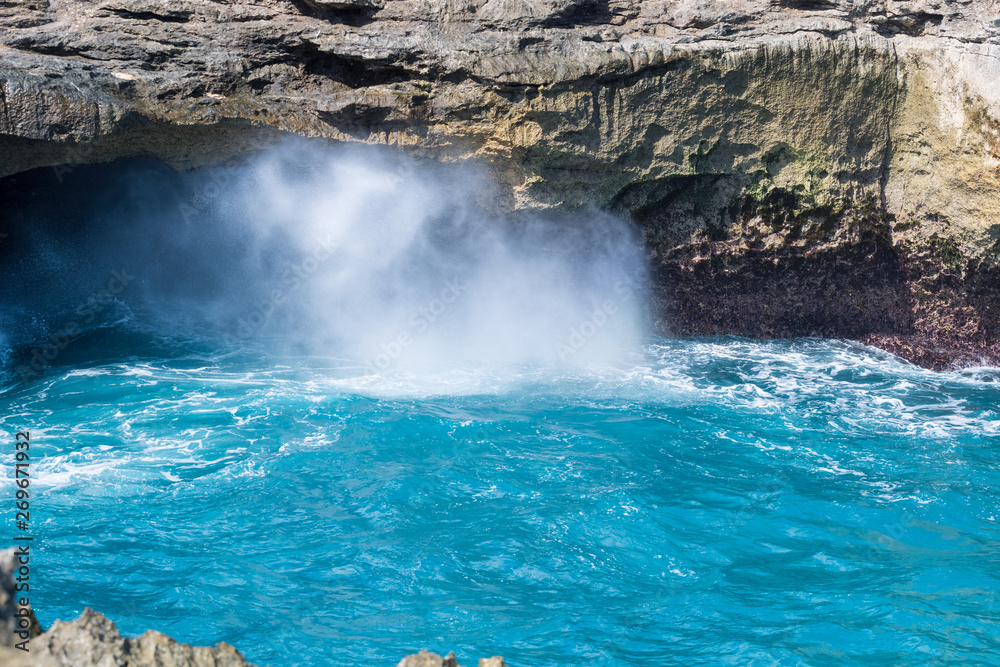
(779, 264)
(359, 254)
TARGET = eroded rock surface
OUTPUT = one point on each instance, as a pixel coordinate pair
(92, 640)
(827, 167)
(427, 659)
(17, 622)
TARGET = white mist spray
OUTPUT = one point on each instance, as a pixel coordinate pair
(344, 253)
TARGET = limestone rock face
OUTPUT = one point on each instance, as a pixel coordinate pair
(427, 659)
(9, 607)
(92, 640)
(798, 167)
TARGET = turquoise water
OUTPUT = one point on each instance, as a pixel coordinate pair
(324, 407)
(698, 502)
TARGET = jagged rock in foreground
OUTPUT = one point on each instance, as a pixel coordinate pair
(798, 168)
(92, 640)
(428, 659)
(12, 620)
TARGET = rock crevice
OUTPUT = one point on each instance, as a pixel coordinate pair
(734, 132)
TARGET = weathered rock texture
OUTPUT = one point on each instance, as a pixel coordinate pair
(92, 640)
(428, 659)
(15, 625)
(827, 167)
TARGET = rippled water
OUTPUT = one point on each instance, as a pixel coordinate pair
(707, 502)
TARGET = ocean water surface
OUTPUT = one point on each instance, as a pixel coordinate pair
(709, 502)
(326, 410)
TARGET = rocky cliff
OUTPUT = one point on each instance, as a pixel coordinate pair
(798, 167)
